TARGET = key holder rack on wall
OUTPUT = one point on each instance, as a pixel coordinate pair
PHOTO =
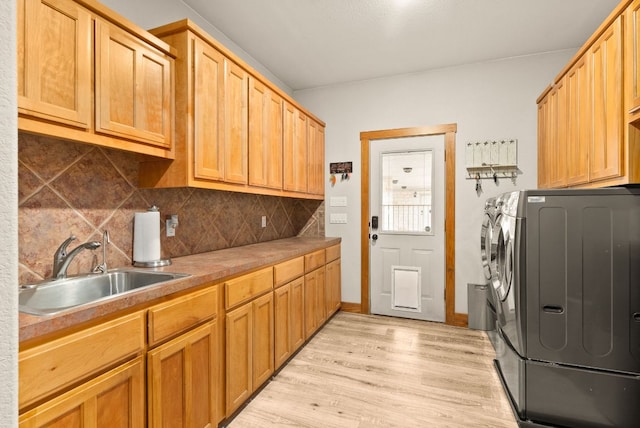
(491, 160)
(342, 169)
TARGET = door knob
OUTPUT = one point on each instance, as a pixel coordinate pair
(374, 236)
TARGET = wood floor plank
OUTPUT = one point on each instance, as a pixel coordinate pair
(370, 371)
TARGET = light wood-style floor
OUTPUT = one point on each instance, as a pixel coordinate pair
(370, 371)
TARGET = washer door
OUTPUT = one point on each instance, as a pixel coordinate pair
(488, 247)
(504, 258)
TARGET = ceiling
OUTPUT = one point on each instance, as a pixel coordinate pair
(313, 43)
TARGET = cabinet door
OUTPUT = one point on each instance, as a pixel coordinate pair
(181, 380)
(543, 144)
(296, 324)
(321, 306)
(265, 136)
(114, 399)
(208, 107)
(333, 287)
(54, 61)
(632, 51)
(557, 146)
(316, 158)
(239, 323)
(262, 335)
(282, 324)
(236, 128)
(134, 88)
(295, 149)
(606, 64)
(310, 305)
(578, 122)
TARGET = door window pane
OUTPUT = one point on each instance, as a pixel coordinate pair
(406, 192)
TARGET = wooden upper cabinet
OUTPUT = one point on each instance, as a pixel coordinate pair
(632, 52)
(208, 111)
(236, 125)
(557, 144)
(133, 88)
(543, 164)
(315, 180)
(236, 131)
(578, 122)
(55, 61)
(295, 149)
(607, 152)
(82, 78)
(265, 136)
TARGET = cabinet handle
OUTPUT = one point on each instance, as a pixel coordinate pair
(634, 110)
(636, 317)
(552, 309)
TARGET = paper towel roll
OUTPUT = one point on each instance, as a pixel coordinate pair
(146, 236)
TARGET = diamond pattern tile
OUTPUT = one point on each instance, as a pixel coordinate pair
(46, 156)
(93, 187)
(67, 188)
(28, 182)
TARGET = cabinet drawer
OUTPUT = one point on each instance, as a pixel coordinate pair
(246, 287)
(180, 314)
(313, 260)
(56, 365)
(287, 271)
(332, 253)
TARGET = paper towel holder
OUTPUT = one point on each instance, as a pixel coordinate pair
(152, 263)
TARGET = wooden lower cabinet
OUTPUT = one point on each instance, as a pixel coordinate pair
(114, 399)
(282, 324)
(181, 380)
(296, 321)
(288, 317)
(333, 287)
(314, 306)
(249, 349)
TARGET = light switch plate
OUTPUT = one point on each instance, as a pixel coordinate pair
(338, 218)
(338, 201)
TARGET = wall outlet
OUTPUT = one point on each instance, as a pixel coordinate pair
(264, 221)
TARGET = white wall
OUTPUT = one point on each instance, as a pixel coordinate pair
(154, 13)
(8, 218)
(487, 100)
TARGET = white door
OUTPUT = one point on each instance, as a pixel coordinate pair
(407, 249)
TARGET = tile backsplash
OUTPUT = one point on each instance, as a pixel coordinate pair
(68, 189)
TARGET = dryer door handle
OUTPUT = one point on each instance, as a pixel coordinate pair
(552, 309)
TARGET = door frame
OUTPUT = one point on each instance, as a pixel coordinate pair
(449, 132)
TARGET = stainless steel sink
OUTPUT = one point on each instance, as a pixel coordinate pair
(54, 296)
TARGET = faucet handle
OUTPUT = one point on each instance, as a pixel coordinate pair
(62, 249)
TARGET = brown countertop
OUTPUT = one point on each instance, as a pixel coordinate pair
(203, 268)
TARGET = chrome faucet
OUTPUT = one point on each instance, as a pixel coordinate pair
(102, 267)
(62, 259)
